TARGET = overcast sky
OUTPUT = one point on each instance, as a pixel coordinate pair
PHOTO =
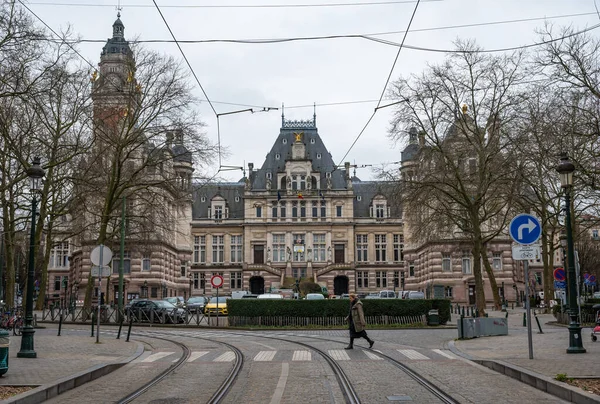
(300, 73)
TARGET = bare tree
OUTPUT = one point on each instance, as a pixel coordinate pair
(463, 181)
(139, 116)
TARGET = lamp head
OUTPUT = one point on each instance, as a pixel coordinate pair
(35, 174)
(563, 238)
(565, 170)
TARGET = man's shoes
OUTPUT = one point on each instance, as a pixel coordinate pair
(371, 344)
(349, 347)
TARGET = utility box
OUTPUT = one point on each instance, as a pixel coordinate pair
(433, 317)
(4, 344)
(481, 327)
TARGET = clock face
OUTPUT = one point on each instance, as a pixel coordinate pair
(113, 81)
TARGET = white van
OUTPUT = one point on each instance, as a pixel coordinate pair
(270, 296)
(387, 294)
(239, 294)
(412, 294)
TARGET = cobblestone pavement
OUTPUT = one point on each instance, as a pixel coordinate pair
(283, 372)
(58, 357)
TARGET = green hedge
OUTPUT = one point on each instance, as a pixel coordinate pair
(336, 307)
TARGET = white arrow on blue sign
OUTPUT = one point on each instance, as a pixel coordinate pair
(525, 229)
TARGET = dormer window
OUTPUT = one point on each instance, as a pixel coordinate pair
(284, 141)
(312, 141)
(202, 199)
(237, 198)
(277, 155)
(319, 156)
(359, 198)
(269, 176)
(327, 175)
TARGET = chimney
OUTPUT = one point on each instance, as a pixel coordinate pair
(178, 136)
(421, 139)
(251, 171)
(169, 142)
(347, 168)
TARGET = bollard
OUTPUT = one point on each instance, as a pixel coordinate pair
(462, 327)
(506, 315)
(120, 326)
(537, 320)
(60, 318)
(476, 313)
(512, 306)
(129, 328)
(524, 320)
(4, 344)
(468, 307)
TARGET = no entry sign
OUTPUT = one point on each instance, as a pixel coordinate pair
(216, 281)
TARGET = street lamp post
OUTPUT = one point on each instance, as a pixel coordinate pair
(565, 170)
(191, 281)
(35, 174)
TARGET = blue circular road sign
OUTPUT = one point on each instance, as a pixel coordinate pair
(560, 275)
(525, 229)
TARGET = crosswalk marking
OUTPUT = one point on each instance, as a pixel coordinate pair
(265, 356)
(371, 355)
(226, 357)
(157, 356)
(339, 355)
(444, 353)
(301, 356)
(196, 355)
(412, 354)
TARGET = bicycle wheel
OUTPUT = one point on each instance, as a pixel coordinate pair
(18, 327)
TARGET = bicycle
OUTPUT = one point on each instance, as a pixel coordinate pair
(12, 321)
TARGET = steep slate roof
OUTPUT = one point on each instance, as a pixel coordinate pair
(310, 133)
(117, 44)
(367, 190)
(227, 190)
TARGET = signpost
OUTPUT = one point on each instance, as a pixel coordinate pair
(526, 230)
(217, 282)
(99, 256)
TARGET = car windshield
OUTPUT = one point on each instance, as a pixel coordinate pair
(220, 300)
(195, 300)
(164, 305)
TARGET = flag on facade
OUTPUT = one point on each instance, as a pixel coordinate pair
(321, 195)
(300, 195)
(278, 195)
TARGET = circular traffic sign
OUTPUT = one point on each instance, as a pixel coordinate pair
(216, 281)
(525, 229)
(586, 275)
(101, 260)
(592, 278)
(559, 274)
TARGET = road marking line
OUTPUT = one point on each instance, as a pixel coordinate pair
(447, 354)
(412, 354)
(265, 356)
(339, 355)
(157, 356)
(226, 357)
(371, 355)
(278, 394)
(196, 355)
(301, 356)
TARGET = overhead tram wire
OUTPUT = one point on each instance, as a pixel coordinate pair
(386, 83)
(298, 5)
(57, 35)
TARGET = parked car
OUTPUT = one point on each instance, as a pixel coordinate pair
(413, 294)
(596, 295)
(157, 311)
(315, 296)
(250, 296)
(387, 294)
(239, 294)
(270, 296)
(129, 303)
(176, 301)
(211, 306)
(196, 303)
(345, 296)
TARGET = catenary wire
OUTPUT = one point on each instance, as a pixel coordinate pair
(57, 35)
(297, 5)
(386, 83)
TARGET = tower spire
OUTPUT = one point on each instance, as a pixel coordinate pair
(315, 114)
(119, 8)
(282, 114)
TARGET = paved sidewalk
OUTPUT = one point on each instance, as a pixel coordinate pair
(65, 361)
(510, 354)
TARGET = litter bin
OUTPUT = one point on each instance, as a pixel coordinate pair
(4, 342)
(433, 317)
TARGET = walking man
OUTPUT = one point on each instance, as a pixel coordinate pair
(356, 322)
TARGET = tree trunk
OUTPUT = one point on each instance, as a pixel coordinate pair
(479, 292)
(492, 278)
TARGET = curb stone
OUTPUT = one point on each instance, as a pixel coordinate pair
(50, 390)
(541, 382)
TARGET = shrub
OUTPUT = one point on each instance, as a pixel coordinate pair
(336, 307)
